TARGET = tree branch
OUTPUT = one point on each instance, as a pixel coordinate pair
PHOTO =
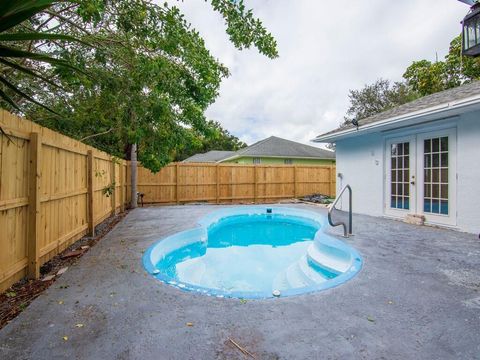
(98, 134)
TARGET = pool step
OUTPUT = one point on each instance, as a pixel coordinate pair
(296, 278)
(333, 262)
(280, 282)
(193, 271)
(310, 272)
(298, 275)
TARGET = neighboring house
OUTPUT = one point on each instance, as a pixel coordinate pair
(419, 158)
(272, 150)
(210, 157)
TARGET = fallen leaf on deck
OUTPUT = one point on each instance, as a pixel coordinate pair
(369, 318)
(72, 254)
(65, 338)
(79, 325)
(62, 271)
(189, 324)
(60, 302)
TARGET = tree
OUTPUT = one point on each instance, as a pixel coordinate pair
(377, 97)
(23, 37)
(145, 82)
(426, 77)
(220, 139)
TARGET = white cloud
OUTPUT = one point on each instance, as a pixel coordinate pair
(326, 48)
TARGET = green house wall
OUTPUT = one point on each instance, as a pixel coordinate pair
(280, 161)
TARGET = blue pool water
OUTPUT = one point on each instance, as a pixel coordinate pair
(246, 252)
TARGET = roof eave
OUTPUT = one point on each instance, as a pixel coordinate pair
(279, 157)
(417, 115)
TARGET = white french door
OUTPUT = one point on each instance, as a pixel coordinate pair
(438, 176)
(401, 173)
(421, 176)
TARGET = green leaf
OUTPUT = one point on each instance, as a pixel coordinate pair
(13, 12)
(7, 98)
(6, 51)
(27, 71)
(38, 36)
(24, 95)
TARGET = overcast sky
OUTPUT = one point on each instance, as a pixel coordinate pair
(326, 48)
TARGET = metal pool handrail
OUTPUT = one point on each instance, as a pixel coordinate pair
(332, 207)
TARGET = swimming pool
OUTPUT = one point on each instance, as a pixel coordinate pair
(253, 252)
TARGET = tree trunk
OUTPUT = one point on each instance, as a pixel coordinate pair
(134, 175)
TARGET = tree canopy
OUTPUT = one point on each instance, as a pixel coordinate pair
(220, 139)
(421, 78)
(377, 97)
(136, 73)
(426, 77)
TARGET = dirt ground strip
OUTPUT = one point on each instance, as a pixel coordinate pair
(16, 299)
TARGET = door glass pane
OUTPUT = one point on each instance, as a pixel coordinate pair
(428, 161)
(428, 146)
(444, 157)
(400, 181)
(435, 195)
(435, 175)
(444, 144)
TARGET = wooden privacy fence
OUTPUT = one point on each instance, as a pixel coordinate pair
(232, 183)
(52, 192)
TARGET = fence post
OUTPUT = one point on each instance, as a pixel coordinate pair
(255, 181)
(122, 187)
(90, 192)
(295, 194)
(332, 181)
(176, 184)
(33, 269)
(112, 181)
(218, 183)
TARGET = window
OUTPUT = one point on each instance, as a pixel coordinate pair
(435, 194)
(400, 176)
(257, 160)
(288, 161)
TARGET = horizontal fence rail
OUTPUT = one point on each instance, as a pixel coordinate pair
(51, 194)
(232, 183)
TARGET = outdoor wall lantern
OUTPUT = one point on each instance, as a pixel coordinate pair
(471, 29)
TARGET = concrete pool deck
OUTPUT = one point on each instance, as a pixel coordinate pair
(417, 297)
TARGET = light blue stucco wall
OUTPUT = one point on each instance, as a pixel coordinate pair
(468, 169)
(361, 160)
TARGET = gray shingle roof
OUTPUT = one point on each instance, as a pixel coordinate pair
(210, 156)
(278, 147)
(269, 147)
(443, 97)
